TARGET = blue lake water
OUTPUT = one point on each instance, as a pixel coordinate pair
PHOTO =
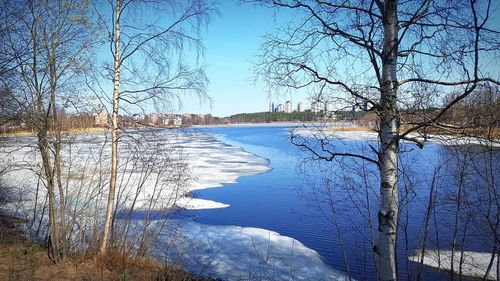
(280, 200)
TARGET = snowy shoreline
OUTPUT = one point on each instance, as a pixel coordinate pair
(473, 264)
(243, 125)
(228, 252)
(211, 163)
(322, 132)
(247, 253)
(225, 251)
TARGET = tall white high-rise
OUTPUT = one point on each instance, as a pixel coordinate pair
(288, 107)
(300, 107)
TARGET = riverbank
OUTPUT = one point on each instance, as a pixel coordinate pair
(236, 125)
(214, 164)
(365, 133)
(21, 259)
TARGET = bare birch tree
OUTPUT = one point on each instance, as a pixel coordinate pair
(149, 42)
(397, 57)
(44, 50)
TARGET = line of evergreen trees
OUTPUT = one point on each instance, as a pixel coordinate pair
(266, 117)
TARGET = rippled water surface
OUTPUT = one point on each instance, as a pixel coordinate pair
(275, 200)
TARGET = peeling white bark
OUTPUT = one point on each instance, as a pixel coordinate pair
(385, 246)
(114, 134)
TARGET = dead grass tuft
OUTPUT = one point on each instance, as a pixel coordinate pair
(349, 129)
(27, 133)
(22, 260)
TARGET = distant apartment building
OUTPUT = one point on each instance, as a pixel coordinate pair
(155, 118)
(102, 118)
(300, 107)
(288, 107)
(177, 121)
(172, 121)
(139, 118)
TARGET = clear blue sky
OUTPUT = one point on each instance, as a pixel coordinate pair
(232, 41)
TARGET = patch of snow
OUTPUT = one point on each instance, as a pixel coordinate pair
(216, 163)
(246, 253)
(457, 140)
(324, 132)
(320, 132)
(475, 264)
(198, 204)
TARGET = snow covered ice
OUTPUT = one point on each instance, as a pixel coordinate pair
(246, 253)
(200, 161)
(474, 264)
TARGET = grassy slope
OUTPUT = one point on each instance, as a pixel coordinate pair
(22, 260)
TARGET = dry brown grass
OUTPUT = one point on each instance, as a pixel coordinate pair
(22, 260)
(349, 129)
(27, 133)
(75, 176)
(18, 134)
(85, 130)
(491, 134)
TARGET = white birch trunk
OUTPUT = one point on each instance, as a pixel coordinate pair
(114, 135)
(385, 246)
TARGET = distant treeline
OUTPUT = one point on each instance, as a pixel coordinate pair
(266, 117)
(308, 115)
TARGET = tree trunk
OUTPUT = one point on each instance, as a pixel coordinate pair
(56, 128)
(43, 145)
(41, 120)
(114, 134)
(385, 247)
